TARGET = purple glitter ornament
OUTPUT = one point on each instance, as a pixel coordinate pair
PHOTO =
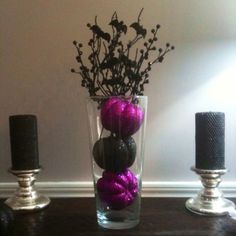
(117, 190)
(121, 116)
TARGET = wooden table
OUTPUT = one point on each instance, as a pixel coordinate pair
(159, 216)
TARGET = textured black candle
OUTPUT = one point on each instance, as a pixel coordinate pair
(24, 142)
(210, 140)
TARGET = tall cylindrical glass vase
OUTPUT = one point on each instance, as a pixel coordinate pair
(117, 128)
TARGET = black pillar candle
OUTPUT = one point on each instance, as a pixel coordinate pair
(24, 142)
(210, 140)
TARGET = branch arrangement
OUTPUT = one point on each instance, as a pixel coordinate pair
(112, 70)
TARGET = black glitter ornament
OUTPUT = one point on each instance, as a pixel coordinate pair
(114, 154)
(6, 219)
(111, 154)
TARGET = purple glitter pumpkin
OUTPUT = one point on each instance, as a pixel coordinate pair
(117, 190)
(121, 116)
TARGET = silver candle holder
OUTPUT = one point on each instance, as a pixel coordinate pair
(210, 200)
(26, 198)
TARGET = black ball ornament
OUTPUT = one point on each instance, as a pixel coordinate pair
(114, 154)
(6, 219)
(111, 154)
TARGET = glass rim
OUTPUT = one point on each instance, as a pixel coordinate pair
(122, 96)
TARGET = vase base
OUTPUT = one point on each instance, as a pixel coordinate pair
(115, 220)
(117, 225)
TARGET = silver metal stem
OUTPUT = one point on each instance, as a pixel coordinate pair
(210, 200)
(26, 198)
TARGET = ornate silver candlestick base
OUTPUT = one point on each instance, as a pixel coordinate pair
(210, 200)
(26, 198)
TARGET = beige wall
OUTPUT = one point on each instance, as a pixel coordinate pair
(36, 54)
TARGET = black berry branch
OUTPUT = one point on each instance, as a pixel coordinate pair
(112, 70)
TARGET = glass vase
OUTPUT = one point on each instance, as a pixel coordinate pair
(117, 128)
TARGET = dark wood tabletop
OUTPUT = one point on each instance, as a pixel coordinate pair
(159, 216)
